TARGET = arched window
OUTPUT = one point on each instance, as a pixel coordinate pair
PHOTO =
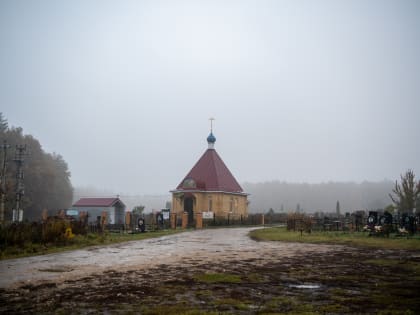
(189, 183)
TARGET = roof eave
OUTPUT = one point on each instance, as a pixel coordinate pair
(118, 201)
(208, 191)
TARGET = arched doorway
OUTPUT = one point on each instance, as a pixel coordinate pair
(189, 208)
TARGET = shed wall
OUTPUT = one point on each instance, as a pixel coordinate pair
(116, 214)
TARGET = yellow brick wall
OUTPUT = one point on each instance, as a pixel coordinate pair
(222, 204)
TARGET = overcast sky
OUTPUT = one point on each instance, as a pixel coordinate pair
(302, 91)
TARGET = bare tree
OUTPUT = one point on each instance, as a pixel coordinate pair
(406, 194)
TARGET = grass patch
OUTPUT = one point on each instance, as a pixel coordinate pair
(356, 239)
(217, 278)
(232, 303)
(78, 242)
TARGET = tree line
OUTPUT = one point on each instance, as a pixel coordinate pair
(46, 175)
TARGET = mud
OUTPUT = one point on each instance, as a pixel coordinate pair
(270, 277)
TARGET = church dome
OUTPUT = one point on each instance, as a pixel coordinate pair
(211, 138)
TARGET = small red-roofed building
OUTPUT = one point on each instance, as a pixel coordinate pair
(210, 188)
(94, 207)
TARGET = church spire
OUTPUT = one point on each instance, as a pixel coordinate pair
(211, 139)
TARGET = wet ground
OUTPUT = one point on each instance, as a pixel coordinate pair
(213, 271)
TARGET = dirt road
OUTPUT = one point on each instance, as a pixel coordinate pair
(204, 246)
(215, 271)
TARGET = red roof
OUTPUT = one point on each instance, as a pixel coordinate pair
(96, 202)
(211, 174)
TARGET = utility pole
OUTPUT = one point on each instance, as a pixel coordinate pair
(20, 187)
(4, 146)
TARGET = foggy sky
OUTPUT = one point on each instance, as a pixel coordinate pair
(302, 91)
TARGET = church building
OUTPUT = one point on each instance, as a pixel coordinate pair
(210, 188)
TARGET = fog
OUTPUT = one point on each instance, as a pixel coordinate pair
(281, 197)
(290, 197)
(302, 91)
